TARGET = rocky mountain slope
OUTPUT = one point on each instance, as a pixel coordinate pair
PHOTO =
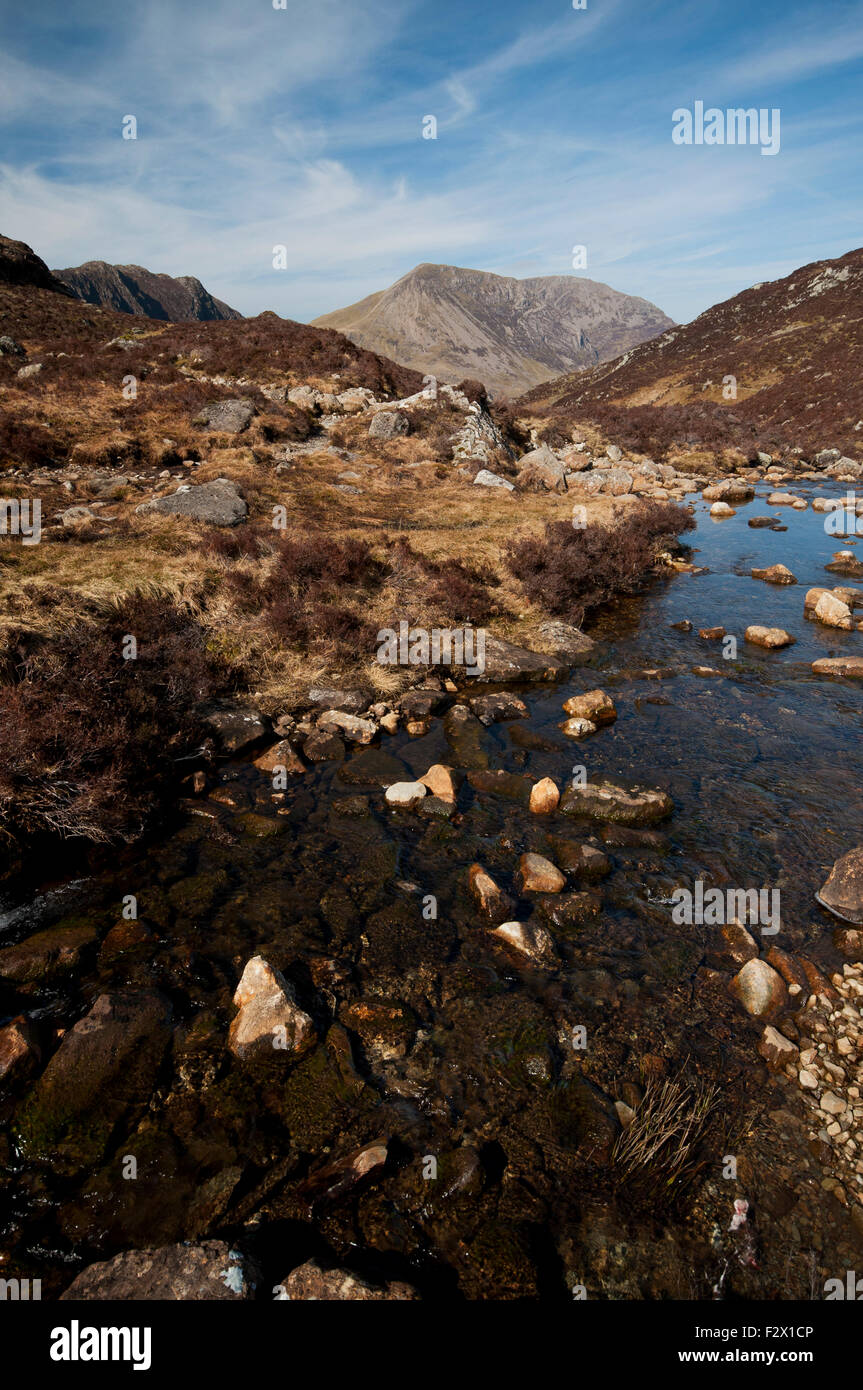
(134, 290)
(510, 334)
(20, 266)
(776, 367)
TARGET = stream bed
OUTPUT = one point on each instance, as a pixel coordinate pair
(436, 1047)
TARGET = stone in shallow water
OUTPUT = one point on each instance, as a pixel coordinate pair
(310, 1282)
(269, 1021)
(405, 794)
(775, 1048)
(544, 797)
(842, 894)
(851, 667)
(774, 574)
(832, 612)
(104, 1069)
(492, 902)
(577, 727)
(529, 940)
(759, 988)
(770, 637)
(212, 1270)
(236, 727)
(604, 801)
(538, 875)
(593, 705)
(440, 782)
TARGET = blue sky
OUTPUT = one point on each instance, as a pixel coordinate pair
(303, 127)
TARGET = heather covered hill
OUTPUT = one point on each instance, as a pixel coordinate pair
(133, 290)
(19, 265)
(511, 334)
(792, 348)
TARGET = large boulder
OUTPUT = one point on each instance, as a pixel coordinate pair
(228, 417)
(842, 894)
(505, 662)
(485, 478)
(236, 727)
(542, 469)
(388, 424)
(563, 640)
(211, 1270)
(218, 503)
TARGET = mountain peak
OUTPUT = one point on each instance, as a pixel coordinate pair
(132, 289)
(454, 322)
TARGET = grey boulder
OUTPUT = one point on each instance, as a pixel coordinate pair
(230, 417)
(218, 503)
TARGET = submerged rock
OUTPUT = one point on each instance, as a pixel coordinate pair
(104, 1069)
(405, 795)
(55, 951)
(605, 801)
(776, 1049)
(492, 902)
(577, 728)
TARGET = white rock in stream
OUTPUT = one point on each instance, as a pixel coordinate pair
(405, 794)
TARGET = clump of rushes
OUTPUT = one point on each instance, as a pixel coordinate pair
(660, 1144)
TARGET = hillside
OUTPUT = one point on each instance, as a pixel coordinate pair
(510, 334)
(793, 347)
(133, 290)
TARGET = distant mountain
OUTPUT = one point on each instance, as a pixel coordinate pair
(19, 265)
(133, 290)
(511, 334)
(778, 365)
